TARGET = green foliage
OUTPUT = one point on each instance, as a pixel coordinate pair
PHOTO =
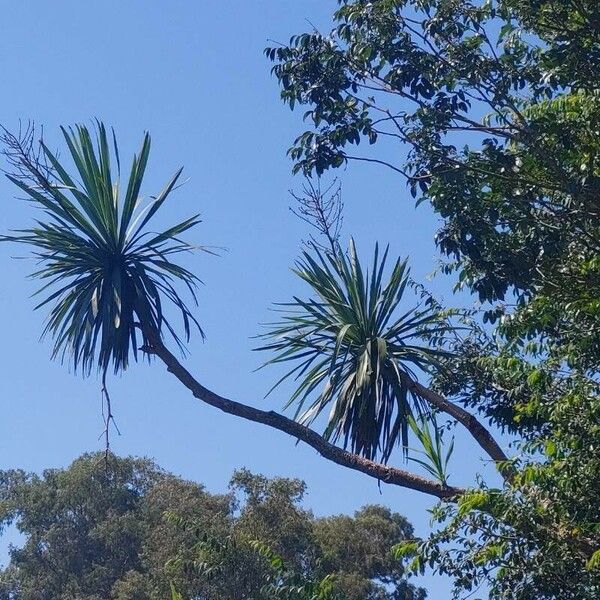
(497, 103)
(106, 276)
(130, 531)
(175, 595)
(497, 106)
(370, 534)
(279, 582)
(355, 347)
(436, 457)
(421, 73)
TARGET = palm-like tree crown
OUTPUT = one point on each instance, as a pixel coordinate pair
(105, 276)
(354, 350)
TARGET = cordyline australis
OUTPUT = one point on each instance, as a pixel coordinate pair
(106, 278)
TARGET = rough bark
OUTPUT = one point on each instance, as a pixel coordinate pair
(381, 472)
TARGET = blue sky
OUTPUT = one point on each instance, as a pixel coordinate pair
(193, 74)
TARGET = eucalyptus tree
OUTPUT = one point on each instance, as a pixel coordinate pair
(133, 530)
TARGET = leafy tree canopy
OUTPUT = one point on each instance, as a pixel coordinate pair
(128, 530)
(490, 112)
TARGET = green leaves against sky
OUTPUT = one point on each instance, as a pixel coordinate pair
(104, 274)
(355, 348)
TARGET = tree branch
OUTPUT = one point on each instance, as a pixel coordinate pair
(477, 430)
(381, 472)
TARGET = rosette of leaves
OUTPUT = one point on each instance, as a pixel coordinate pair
(355, 348)
(105, 275)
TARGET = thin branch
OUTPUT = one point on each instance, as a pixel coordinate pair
(25, 155)
(322, 210)
(380, 162)
(107, 417)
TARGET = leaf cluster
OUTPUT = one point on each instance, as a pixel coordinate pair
(355, 347)
(105, 276)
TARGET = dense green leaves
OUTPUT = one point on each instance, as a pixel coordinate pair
(495, 106)
(424, 73)
(129, 531)
(355, 346)
(105, 275)
(535, 540)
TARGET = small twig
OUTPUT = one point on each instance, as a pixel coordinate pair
(322, 210)
(25, 156)
(107, 418)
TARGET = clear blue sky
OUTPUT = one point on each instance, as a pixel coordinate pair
(193, 74)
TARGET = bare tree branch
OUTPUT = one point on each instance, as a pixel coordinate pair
(25, 156)
(322, 210)
(381, 472)
(107, 417)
